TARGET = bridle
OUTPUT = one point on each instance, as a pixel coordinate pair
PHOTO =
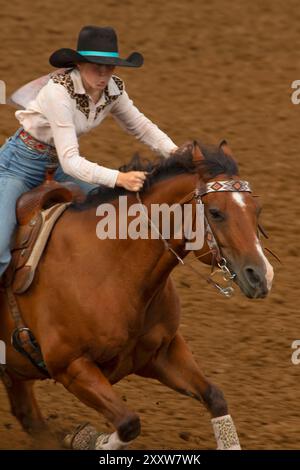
(217, 259)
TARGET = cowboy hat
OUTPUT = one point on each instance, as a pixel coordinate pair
(96, 45)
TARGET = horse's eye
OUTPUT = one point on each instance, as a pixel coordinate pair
(216, 214)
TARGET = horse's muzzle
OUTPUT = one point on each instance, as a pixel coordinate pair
(253, 282)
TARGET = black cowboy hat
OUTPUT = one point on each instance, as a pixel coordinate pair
(96, 45)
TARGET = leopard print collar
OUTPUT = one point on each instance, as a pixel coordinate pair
(82, 100)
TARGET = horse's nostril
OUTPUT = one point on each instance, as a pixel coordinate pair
(253, 277)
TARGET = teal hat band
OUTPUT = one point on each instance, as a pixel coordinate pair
(99, 53)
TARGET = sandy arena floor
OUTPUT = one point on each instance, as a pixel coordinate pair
(212, 70)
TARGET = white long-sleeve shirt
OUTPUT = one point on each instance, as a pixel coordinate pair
(62, 111)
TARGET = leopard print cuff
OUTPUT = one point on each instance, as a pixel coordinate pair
(225, 433)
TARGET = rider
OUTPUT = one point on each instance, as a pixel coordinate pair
(73, 101)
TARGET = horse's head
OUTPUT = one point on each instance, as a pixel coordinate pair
(232, 214)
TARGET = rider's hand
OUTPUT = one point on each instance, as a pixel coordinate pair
(132, 180)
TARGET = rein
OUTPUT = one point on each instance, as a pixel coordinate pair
(197, 194)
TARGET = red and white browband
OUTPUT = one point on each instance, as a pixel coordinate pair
(229, 186)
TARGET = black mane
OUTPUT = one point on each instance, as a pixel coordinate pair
(214, 164)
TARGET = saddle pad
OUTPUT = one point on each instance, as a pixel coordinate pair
(24, 277)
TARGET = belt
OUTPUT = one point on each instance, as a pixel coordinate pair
(37, 145)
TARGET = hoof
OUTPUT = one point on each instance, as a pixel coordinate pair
(67, 442)
(106, 441)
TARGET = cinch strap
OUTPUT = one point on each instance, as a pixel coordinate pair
(99, 53)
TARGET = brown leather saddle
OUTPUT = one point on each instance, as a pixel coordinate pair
(37, 212)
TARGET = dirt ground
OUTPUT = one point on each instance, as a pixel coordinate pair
(212, 70)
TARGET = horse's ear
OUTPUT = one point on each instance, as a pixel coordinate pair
(196, 152)
(226, 149)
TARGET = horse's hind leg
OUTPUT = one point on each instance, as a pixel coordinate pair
(175, 366)
(24, 406)
(84, 379)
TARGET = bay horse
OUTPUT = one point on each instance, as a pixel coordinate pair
(103, 309)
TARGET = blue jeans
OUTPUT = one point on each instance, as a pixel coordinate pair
(21, 169)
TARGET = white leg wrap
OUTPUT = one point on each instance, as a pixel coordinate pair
(110, 442)
(225, 433)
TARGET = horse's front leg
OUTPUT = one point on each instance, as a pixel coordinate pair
(175, 367)
(24, 406)
(84, 379)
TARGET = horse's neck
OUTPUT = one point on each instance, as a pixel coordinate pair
(149, 260)
(170, 191)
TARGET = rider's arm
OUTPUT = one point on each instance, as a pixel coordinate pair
(134, 122)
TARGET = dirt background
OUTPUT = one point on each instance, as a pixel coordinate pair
(212, 70)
